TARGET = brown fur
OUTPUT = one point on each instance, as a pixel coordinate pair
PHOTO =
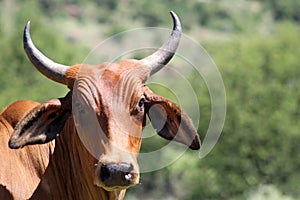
(21, 170)
(39, 171)
(70, 175)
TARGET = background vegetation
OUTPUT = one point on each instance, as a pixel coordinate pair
(256, 46)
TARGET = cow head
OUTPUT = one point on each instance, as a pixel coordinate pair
(109, 102)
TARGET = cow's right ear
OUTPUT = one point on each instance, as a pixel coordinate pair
(170, 121)
(42, 123)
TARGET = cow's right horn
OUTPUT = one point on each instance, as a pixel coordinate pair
(46, 66)
(164, 54)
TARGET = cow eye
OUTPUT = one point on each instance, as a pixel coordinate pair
(142, 101)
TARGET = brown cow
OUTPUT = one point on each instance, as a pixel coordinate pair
(109, 103)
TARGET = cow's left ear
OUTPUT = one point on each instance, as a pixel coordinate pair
(170, 121)
(42, 123)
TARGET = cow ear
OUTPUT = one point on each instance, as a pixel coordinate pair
(170, 121)
(41, 124)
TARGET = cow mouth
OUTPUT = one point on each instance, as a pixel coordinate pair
(115, 188)
(109, 187)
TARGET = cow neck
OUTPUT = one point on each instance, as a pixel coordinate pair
(70, 174)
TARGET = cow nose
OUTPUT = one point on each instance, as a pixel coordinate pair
(116, 174)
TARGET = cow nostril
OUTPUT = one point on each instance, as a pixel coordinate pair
(104, 173)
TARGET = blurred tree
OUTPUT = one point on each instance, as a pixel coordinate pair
(284, 10)
(19, 79)
(259, 143)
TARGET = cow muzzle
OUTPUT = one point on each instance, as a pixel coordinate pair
(112, 176)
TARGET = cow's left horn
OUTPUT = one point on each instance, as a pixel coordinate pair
(163, 55)
(46, 66)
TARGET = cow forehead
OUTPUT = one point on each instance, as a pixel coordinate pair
(128, 70)
(111, 80)
(111, 90)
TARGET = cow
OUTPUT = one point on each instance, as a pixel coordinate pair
(47, 157)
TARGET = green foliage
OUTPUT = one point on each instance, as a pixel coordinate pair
(267, 192)
(257, 156)
(259, 141)
(284, 10)
(19, 79)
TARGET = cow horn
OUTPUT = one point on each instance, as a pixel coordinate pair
(163, 55)
(46, 66)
